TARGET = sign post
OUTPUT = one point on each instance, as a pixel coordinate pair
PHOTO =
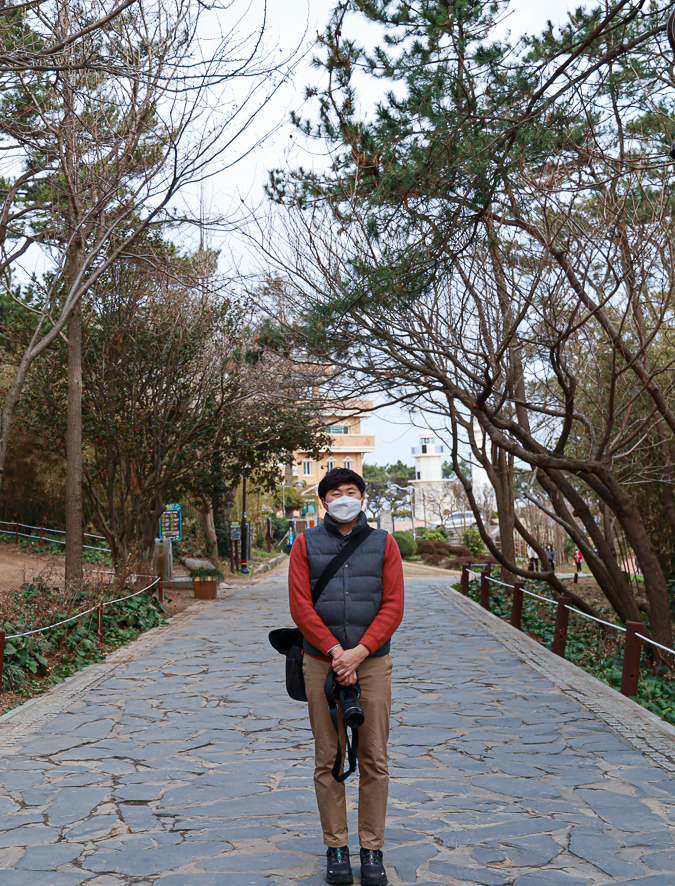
(170, 523)
(235, 538)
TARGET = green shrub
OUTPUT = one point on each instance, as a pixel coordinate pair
(473, 541)
(205, 573)
(438, 534)
(406, 543)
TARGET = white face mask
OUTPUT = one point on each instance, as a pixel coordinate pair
(344, 509)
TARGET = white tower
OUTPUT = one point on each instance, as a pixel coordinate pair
(431, 500)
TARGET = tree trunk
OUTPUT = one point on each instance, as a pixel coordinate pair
(74, 561)
(503, 487)
(205, 511)
(603, 565)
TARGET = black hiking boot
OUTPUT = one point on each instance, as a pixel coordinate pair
(338, 866)
(372, 869)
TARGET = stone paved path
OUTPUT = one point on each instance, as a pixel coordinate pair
(189, 766)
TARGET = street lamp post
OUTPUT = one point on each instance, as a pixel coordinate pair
(410, 490)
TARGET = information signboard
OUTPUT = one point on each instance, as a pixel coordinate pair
(235, 530)
(170, 523)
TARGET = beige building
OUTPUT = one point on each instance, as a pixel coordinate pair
(343, 423)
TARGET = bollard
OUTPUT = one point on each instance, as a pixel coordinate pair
(562, 618)
(464, 581)
(632, 648)
(160, 590)
(99, 621)
(2, 653)
(576, 578)
(517, 609)
(485, 589)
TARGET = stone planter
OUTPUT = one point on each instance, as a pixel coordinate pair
(205, 588)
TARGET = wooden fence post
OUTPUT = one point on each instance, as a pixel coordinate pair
(464, 581)
(16, 536)
(485, 589)
(2, 654)
(517, 608)
(562, 618)
(99, 621)
(160, 590)
(630, 674)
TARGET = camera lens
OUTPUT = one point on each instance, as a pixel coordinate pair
(351, 709)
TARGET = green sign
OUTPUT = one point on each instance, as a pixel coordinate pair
(235, 530)
(170, 523)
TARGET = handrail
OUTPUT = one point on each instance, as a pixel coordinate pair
(548, 600)
(654, 643)
(80, 614)
(47, 528)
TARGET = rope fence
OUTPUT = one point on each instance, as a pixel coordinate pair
(99, 618)
(42, 529)
(633, 638)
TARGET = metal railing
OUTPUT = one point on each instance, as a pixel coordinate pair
(630, 673)
(41, 538)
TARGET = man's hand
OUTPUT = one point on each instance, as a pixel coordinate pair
(346, 662)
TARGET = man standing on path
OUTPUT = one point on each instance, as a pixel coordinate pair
(349, 632)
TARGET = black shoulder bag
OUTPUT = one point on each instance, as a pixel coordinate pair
(288, 641)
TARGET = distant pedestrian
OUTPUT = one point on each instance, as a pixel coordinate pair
(533, 558)
(578, 559)
(550, 553)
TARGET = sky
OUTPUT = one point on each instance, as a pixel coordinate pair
(293, 27)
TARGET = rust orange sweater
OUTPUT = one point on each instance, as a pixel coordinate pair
(304, 615)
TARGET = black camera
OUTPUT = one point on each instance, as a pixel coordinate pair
(348, 698)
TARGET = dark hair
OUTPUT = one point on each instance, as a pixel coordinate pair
(337, 477)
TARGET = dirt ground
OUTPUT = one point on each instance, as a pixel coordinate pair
(18, 565)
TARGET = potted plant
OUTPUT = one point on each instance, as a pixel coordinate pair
(205, 582)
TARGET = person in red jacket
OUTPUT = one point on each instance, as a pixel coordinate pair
(578, 558)
(349, 632)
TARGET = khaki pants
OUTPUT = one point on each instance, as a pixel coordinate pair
(375, 682)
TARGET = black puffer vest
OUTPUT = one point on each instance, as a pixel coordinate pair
(352, 598)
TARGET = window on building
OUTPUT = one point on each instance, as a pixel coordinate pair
(330, 464)
(307, 467)
(419, 475)
(338, 429)
(348, 464)
(427, 440)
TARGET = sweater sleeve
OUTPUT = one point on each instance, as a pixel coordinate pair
(390, 615)
(300, 600)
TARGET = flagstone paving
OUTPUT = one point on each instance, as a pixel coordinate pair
(185, 764)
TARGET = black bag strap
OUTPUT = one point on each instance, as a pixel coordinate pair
(352, 747)
(338, 561)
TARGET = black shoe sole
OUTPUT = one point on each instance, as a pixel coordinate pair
(374, 881)
(340, 879)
